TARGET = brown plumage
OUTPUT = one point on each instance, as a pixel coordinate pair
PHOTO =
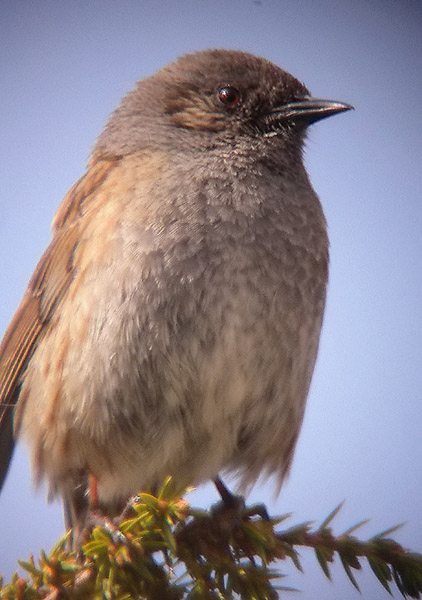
(172, 325)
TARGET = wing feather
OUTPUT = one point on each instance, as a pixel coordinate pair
(45, 290)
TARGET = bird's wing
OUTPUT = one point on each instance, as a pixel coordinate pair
(44, 293)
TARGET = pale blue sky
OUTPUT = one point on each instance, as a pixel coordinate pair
(63, 68)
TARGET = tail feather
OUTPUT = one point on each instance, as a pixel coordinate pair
(7, 442)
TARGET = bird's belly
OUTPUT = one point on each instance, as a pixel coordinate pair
(186, 388)
(233, 404)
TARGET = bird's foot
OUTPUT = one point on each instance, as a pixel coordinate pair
(128, 510)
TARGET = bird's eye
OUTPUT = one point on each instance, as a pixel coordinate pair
(228, 95)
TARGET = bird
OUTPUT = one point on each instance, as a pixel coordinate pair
(172, 325)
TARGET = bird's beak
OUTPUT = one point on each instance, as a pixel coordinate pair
(309, 110)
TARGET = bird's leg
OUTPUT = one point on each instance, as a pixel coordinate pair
(81, 506)
(93, 492)
(96, 514)
(231, 501)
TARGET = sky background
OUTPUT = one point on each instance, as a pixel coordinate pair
(63, 68)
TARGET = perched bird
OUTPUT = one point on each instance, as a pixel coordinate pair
(172, 325)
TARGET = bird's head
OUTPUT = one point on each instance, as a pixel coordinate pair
(211, 99)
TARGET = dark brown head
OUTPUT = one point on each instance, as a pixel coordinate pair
(209, 99)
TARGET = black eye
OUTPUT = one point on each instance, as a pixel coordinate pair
(228, 95)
